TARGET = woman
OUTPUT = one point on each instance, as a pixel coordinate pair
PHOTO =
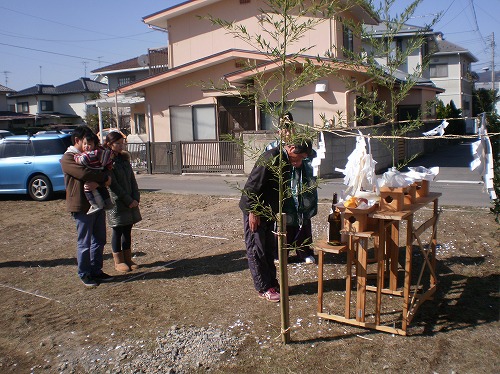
(125, 196)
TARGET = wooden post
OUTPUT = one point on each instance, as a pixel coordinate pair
(283, 270)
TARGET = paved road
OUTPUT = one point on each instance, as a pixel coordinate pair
(458, 184)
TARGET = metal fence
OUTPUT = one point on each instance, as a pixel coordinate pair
(187, 157)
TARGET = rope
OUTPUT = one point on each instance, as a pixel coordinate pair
(348, 132)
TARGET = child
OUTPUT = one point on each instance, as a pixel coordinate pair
(98, 158)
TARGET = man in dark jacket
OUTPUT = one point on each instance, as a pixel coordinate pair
(91, 228)
(260, 204)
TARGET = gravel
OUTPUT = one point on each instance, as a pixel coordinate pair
(181, 350)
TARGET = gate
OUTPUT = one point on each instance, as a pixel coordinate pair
(166, 158)
(211, 157)
(187, 157)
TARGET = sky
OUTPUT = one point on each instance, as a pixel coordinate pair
(59, 41)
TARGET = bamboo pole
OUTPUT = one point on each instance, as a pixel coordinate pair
(283, 269)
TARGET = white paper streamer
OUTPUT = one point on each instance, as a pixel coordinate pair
(483, 158)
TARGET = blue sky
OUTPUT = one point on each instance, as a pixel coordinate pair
(58, 41)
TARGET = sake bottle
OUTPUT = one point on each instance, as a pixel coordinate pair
(334, 223)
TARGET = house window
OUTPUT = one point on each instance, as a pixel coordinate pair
(439, 70)
(348, 42)
(302, 112)
(140, 123)
(465, 69)
(425, 49)
(46, 106)
(181, 124)
(23, 107)
(408, 112)
(204, 122)
(192, 123)
(123, 81)
(12, 108)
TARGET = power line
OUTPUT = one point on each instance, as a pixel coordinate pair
(53, 53)
(77, 40)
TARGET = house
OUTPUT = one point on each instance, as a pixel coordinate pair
(121, 74)
(7, 117)
(450, 68)
(402, 38)
(45, 104)
(3, 97)
(179, 108)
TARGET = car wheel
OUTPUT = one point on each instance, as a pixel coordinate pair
(40, 188)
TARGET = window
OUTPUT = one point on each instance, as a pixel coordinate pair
(302, 112)
(23, 107)
(181, 123)
(204, 122)
(140, 123)
(46, 106)
(439, 70)
(425, 49)
(17, 150)
(123, 81)
(192, 123)
(465, 69)
(48, 147)
(348, 43)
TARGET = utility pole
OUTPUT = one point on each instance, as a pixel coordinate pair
(493, 61)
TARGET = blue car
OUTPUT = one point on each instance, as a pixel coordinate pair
(30, 164)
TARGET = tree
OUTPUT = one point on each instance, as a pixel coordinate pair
(284, 23)
(484, 100)
(456, 126)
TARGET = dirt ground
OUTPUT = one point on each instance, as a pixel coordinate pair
(194, 274)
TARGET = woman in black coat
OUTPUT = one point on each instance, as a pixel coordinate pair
(125, 195)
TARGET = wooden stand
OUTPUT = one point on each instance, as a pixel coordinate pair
(386, 247)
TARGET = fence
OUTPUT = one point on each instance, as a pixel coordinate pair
(186, 157)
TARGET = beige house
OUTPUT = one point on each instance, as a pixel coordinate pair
(176, 105)
(450, 68)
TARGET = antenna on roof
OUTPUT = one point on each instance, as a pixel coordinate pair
(6, 73)
(40, 66)
(85, 68)
(143, 60)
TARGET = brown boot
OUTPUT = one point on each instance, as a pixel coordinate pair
(127, 254)
(120, 264)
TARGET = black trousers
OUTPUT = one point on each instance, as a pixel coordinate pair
(300, 239)
(121, 239)
(260, 247)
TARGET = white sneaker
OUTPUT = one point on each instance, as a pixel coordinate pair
(309, 260)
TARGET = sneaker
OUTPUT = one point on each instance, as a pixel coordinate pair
(103, 278)
(270, 295)
(89, 281)
(309, 260)
(93, 209)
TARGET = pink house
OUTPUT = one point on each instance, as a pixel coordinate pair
(178, 106)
